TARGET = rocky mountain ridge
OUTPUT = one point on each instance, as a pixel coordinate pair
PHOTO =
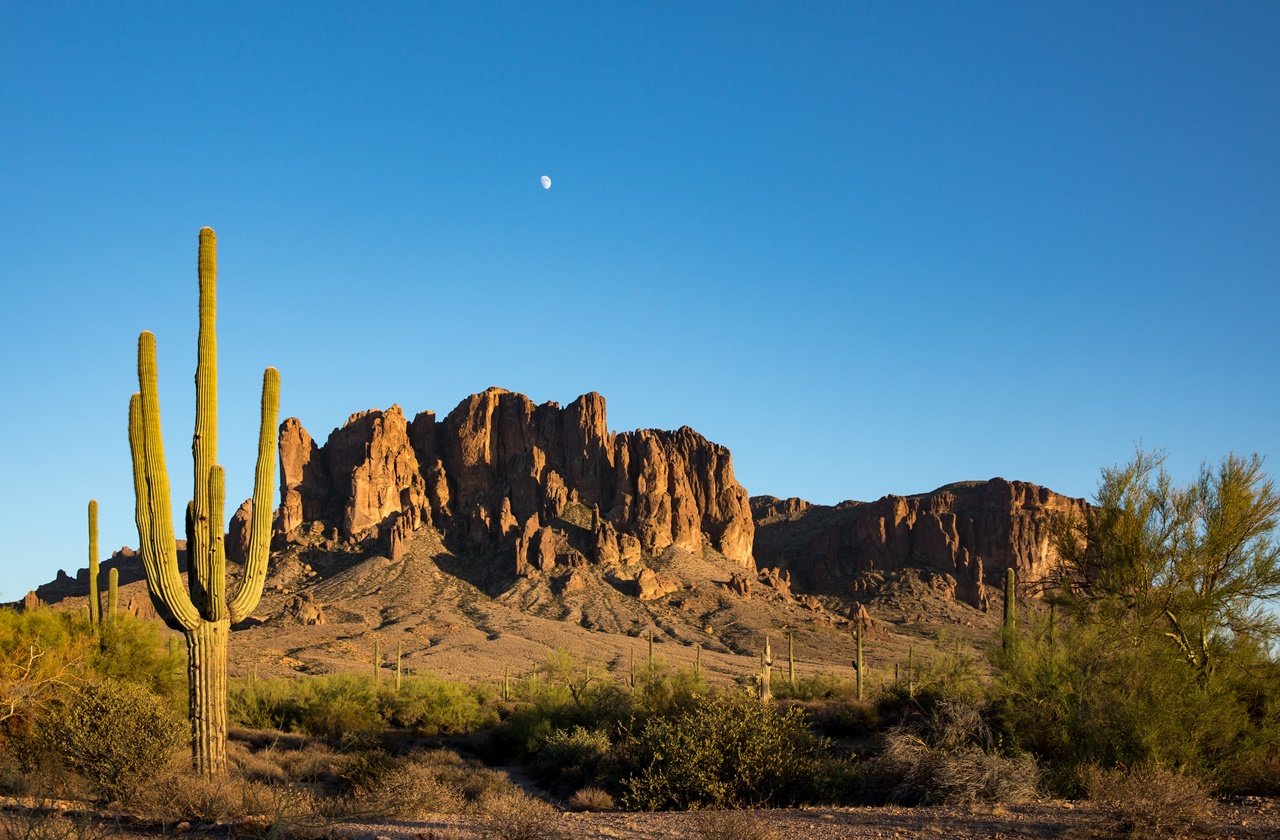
(972, 531)
(499, 471)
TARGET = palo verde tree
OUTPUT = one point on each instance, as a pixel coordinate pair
(202, 609)
(1195, 564)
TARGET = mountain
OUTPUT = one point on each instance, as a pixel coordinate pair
(501, 470)
(972, 531)
(509, 529)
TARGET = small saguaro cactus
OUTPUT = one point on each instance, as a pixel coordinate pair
(791, 659)
(1010, 606)
(631, 678)
(649, 665)
(697, 659)
(377, 661)
(95, 602)
(113, 594)
(399, 654)
(202, 608)
(911, 670)
(766, 666)
(857, 662)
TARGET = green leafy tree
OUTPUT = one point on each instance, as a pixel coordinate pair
(1196, 564)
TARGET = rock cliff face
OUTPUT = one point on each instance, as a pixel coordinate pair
(970, 530)
(501, 470)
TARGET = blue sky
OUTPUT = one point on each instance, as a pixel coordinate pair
(871, 248)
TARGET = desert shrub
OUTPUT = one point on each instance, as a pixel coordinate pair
(114, 734)
(266, 704)
(185, 797)
(817, 687)
(514, 815)
(144, 652)
(732, 825)
(45, 652)
(329, 706)
(591, 799)
(1095, 694)
(40, 822)
(338, 705)
(726, 750)
(570, 758)
(539, 709)
(950, 757)
(433, 706)
(409, 790)
(841, 718)
(1150, 802)
(666, 692)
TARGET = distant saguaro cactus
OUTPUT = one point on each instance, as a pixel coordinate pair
(201, 609)
(791, 659)
(766, 670)
(857, 662)
(95, 601)
(1010, 606)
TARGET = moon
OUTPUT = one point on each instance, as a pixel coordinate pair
(546, 182)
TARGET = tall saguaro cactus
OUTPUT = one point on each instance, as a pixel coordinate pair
(95, 602)
(202, 611)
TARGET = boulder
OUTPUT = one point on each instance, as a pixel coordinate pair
(651, 585)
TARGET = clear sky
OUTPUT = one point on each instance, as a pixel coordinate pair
(871, 248)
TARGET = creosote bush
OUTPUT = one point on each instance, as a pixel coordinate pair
(114, 734)
(724, 751)
(1150, 802)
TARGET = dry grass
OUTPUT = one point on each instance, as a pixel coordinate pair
(591, 799)
(42, 823)
(190, 798)
(1151, 802)
(733, 825)
(514, 815)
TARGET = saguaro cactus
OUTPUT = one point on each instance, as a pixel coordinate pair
(95, 602)
(202, 611)
(766, 670)
(791, 659)
(857, 662)
(1010, 606)
(113, 594)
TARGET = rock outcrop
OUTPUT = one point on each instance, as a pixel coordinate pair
(973, 531)
(500, 470)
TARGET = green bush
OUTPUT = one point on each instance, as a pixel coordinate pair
(724, 751)
(115, 734)
(433, 706)
(571, 758)
(817, 687)
(1097, 694)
